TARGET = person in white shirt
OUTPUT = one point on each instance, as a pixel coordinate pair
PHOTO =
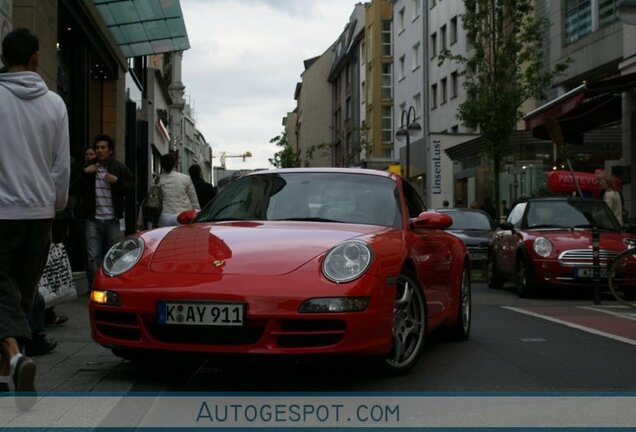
(34, 183)
(178, 191)
(611, 196)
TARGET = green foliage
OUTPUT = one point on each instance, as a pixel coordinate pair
(286, 157)
(504, 69)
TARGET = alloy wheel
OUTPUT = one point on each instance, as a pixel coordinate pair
(409, 325)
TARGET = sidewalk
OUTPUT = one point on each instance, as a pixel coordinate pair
(77, 364)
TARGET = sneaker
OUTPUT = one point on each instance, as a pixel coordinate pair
(24, 381)
(55, 321)
(40, 345)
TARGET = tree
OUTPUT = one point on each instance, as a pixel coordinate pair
(285, 158)
(502, 71)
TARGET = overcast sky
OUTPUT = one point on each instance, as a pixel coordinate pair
(245, 59)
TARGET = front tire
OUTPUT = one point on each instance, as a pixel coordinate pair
(409, 326)
(461, 329)
(524, 280)
(493, 278)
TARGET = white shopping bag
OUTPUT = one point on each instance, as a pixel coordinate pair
(57, 284)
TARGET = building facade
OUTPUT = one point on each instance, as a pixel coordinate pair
(311, 132)
(349, 133)
(411, 71)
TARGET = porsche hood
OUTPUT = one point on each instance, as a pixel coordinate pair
(266, 248)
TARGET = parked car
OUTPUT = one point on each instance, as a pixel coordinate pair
(476, 229)
(548, 241)
(290, 261)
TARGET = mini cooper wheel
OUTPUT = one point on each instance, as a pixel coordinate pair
(461, 329)
(409, 326)
(524, 282)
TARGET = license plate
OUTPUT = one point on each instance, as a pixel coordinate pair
(478, 256)
(588, 272)
(202, 314)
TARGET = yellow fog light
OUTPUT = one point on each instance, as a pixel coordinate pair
(110, 298)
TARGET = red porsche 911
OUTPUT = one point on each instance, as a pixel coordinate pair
(290, 262)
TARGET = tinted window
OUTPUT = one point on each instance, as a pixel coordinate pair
(414, 203)
(516, 214)
(327, 196)
(571, 214)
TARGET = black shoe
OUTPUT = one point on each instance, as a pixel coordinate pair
(24, 381)
(4, 389)
(55, 321)
(40, 345)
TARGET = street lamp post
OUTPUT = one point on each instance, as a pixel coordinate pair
(408, 125)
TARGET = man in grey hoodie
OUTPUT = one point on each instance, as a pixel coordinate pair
(34, 179)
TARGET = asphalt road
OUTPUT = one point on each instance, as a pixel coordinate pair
(561, 344)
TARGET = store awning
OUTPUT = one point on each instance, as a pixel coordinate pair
(145, 27)
(520, 139)
(590, 106)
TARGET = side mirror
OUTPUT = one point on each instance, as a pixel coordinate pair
(431, 220)
(187, 216)
(507, 226)
(629, 228)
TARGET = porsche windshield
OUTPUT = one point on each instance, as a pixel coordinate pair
(571, 214)
(321, 197)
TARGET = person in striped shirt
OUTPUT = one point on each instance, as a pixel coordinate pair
(104, 186)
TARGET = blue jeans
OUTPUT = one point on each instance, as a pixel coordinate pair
(100, 236)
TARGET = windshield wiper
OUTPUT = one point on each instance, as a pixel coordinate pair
(309, 219)
(546, 226)
(599, 228)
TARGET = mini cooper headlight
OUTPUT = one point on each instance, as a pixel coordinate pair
(542, 247)
(630, 242)
(122, 256)
(347, 261)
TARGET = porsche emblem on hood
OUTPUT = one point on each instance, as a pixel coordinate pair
(218, 263)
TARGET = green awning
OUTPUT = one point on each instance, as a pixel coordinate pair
(145, 27)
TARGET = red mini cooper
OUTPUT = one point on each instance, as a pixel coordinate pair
(548, 241)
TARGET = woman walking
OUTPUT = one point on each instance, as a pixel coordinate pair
(178, 191)
(611, 196)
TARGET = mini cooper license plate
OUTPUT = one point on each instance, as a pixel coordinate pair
(201, 313)
(588, 272)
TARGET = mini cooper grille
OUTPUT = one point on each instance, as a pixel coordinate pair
(117, 325)
(206, 335)
(585, 254)
(310, 333)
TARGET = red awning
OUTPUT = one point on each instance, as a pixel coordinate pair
(587, 107)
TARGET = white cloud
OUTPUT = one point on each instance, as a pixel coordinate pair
(245, 59)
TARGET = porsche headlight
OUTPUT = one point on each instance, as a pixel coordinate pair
(122, 256)
(347, 261)
(542, 247)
